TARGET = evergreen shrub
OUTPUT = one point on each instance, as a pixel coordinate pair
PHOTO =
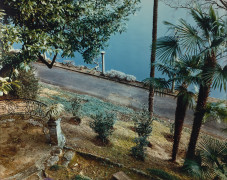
(143, 127)
(103, 125)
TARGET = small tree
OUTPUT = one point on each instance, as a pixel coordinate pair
(28, 84)
(143, 128)
(76, 106)
(103, 125)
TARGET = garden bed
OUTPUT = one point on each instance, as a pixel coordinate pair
(23, 144)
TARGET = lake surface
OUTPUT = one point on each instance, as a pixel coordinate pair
(130, 51)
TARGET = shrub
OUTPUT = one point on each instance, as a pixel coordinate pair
(103, 125)
(143, 128)
(28, 83)
(76, 105)
(120, 75)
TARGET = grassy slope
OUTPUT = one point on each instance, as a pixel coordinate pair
(122, 138)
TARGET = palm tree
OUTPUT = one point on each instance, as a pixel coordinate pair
(153, 55)
(185, 71)
(206, 41)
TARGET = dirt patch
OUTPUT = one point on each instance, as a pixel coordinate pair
(168, 136)
(21, 146)
(99, 142)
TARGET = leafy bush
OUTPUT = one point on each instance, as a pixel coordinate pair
(162, 174)
(120, 75)
(79, 177)
(103, 125)
(143, 128)
(28, 83)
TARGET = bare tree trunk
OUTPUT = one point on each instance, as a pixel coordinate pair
(153, 54)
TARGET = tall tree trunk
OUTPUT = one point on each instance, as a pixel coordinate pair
(179, 121)
(153, 54)
(204, 92)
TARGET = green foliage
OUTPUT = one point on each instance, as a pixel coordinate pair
(103, 125)
(188, 97)
(214, 156)
(160, 85)
(67, 26)
(193, 168)
(6, 85)
(28, 85)
(143, 128)
(211, 161)
(79, 177)
(55, 167)
(161, 174)
(216, 111)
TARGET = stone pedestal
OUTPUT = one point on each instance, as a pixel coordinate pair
(57, 137)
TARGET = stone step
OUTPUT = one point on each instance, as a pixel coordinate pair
(120, 176)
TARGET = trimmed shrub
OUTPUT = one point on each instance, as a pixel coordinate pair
(143, 128)
(120, 75)
(28, 83)
(103, 125)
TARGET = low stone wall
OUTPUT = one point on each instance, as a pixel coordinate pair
(34, 108)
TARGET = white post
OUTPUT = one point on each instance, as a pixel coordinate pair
(103, 62)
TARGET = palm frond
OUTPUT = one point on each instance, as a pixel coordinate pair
(160, 85)
(202, 21)
(165, 69)
(218, 75)
(212, 151)
(168, 48)
(189, 37)
(188, 96)
(189, 65)
(216, 111)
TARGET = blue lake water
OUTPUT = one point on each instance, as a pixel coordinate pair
(130, 51)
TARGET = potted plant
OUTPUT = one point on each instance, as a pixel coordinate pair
(54, 111)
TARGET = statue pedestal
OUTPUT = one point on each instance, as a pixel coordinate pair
(57, 137)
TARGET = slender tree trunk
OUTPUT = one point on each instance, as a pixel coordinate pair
(173, 84)
(204, 92)
(179, 121)
(153, 54)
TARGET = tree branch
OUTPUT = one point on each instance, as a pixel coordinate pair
(45, 62)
